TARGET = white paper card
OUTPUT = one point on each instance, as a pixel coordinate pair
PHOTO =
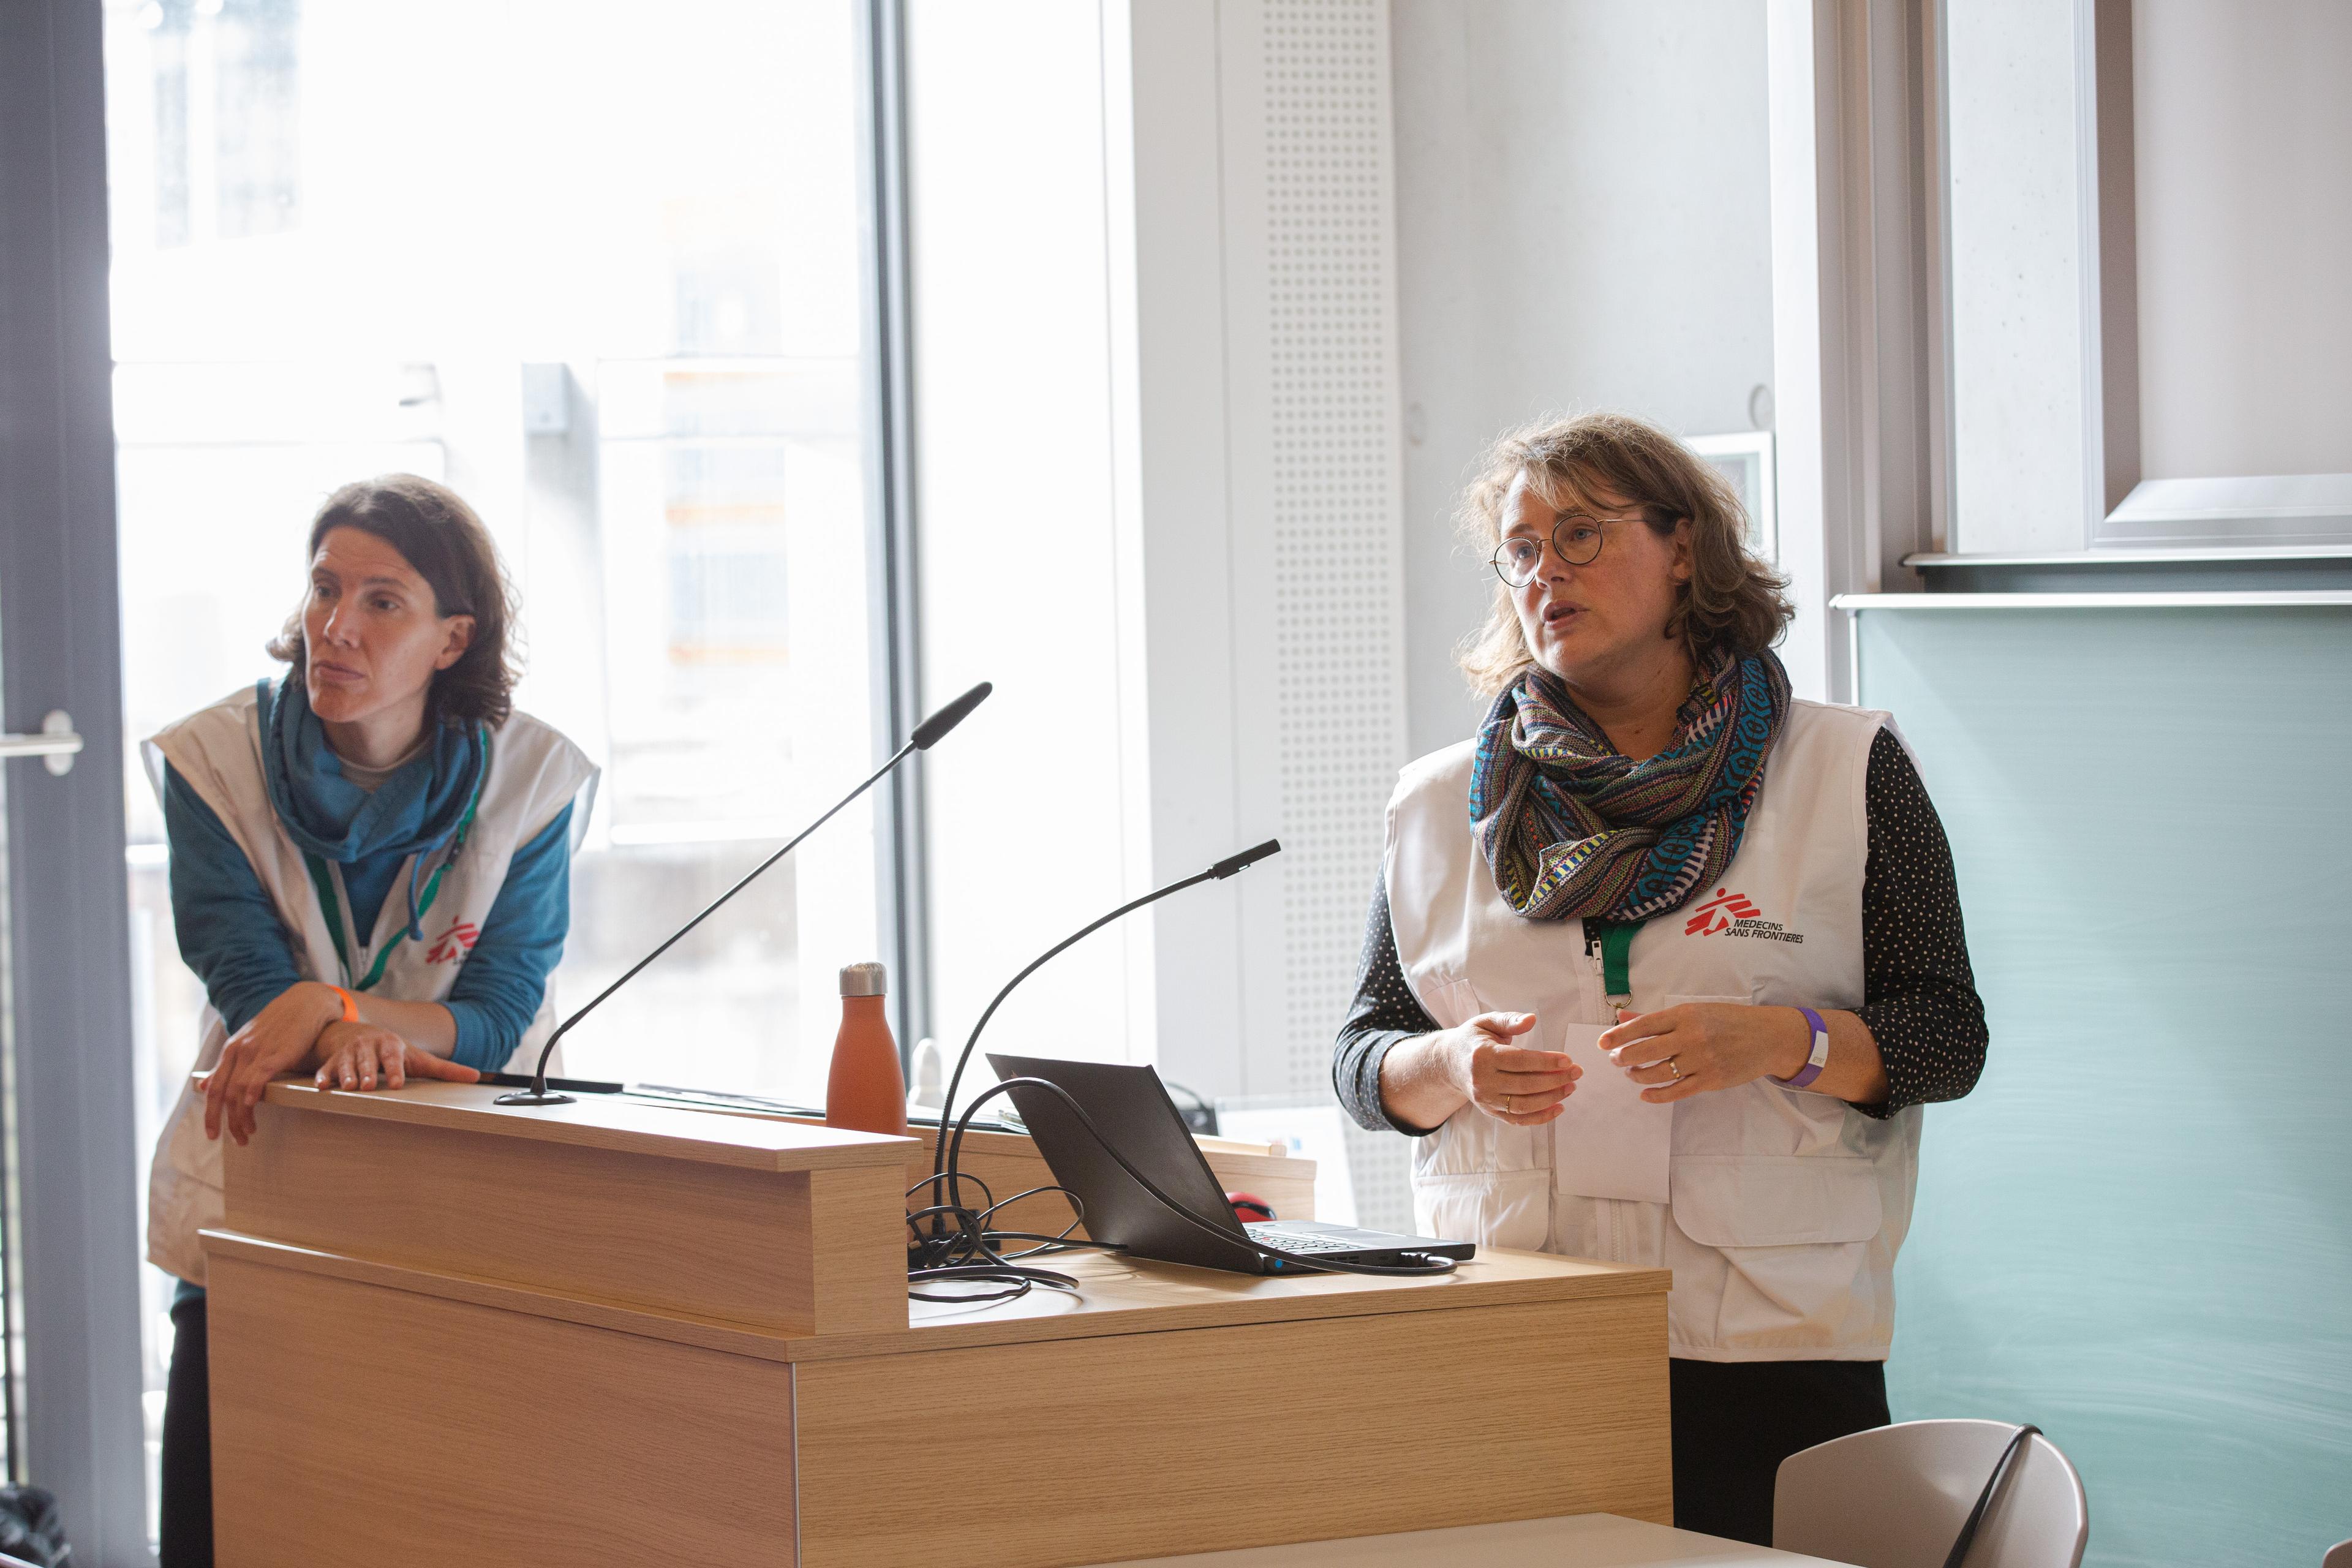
(1608, 1142)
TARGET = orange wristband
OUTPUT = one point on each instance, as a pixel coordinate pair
(351, 1006)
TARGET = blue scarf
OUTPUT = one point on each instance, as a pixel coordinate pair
(414, 812)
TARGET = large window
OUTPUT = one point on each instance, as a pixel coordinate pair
(1010, 270)
(602, 272)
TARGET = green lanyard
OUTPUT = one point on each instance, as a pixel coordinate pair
(1616, 954)
(332, 905)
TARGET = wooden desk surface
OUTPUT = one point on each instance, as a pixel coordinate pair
(665, 1186)
(1577, 1541)
(746, 1136)
(1118, 1295)
(1116, 1292)
(612, 1122)
(1245, 1157)
(665, 1331)
(1009, 1163)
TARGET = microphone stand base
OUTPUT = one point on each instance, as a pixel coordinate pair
(534, 1096)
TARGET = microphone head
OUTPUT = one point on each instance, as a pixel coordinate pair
(931, 731)
(1247, 858)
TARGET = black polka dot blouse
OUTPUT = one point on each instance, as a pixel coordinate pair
(1919, 998)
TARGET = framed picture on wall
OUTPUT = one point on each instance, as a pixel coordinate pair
(1746, 459)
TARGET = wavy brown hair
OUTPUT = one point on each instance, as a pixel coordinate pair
(443, 541)
(1734, 602)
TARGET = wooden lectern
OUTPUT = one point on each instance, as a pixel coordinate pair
(623, 1333)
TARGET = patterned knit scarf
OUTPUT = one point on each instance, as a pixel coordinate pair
(1572, 826)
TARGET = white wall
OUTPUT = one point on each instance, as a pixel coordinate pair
(2023, 326)
(1582, 222)
(2243, 141)
(1255, 353)
(1157, 437)
(2242, 131)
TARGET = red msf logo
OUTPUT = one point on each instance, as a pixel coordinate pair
(455, 943)
(1718, 913)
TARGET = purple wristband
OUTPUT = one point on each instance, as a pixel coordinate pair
(1820, 1055)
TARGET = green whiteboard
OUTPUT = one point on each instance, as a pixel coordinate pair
(2137, 1232)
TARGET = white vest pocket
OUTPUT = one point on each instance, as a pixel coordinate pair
(1493, 1208)
(1794, 1233)
(1775, 1200)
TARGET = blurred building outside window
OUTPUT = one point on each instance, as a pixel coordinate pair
(603, 279)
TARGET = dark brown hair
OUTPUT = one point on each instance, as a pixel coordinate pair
(445, 542)
(1733, 600)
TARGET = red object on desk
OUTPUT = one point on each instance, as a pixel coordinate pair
(865, 1089)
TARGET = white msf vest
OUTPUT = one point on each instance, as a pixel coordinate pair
(534, 773)
(1785, 1208)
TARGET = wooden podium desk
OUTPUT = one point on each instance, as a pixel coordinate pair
(447, 1333)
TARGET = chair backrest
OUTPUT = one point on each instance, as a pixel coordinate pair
(1896, 1497)
(2338, 1556)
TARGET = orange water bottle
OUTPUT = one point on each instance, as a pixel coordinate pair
(865, 1089)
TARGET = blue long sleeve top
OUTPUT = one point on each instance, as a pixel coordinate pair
(230, 934)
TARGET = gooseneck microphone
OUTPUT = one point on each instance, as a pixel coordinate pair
(927, 735)
(1217, 873)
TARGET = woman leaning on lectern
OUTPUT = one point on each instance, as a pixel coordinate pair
(1750, 893)
(371, 875)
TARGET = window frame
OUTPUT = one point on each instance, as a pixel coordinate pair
(73, 1255)
(68, 1081)
(901, 869)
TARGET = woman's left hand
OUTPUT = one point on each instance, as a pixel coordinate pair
(1676, 1052)
(360, 1055)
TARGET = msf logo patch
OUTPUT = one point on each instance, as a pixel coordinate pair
(1733, 914)
(455, 943)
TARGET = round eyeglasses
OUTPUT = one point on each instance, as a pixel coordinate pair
(1576, 539)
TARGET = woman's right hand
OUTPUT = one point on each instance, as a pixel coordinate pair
(1513, 1083)
(278, 1039)
(363, 1056)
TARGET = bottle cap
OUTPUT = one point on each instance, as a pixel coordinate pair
(864, 980)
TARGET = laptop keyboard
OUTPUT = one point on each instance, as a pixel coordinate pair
(1299, 1240)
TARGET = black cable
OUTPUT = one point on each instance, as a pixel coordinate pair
(1041, 1276)
(959, 1244)
(1021, 1281)
(1019, 1289)
(955, 1079)
(975, 1181)
(927, 1250)
(1077, 1219)
(1078, 1206)
(971, 1235)
(1232, 865)
(1308, 1260)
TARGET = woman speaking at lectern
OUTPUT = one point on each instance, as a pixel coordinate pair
(1663, 961)
(370, 862)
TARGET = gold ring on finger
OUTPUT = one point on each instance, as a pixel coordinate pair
(1511, 1103)
(1675, 1067)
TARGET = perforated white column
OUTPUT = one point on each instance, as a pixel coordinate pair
(1338, 661)
(1255, 410)
(1313, 456)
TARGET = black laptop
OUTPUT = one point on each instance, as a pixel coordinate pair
(1132, 1108)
